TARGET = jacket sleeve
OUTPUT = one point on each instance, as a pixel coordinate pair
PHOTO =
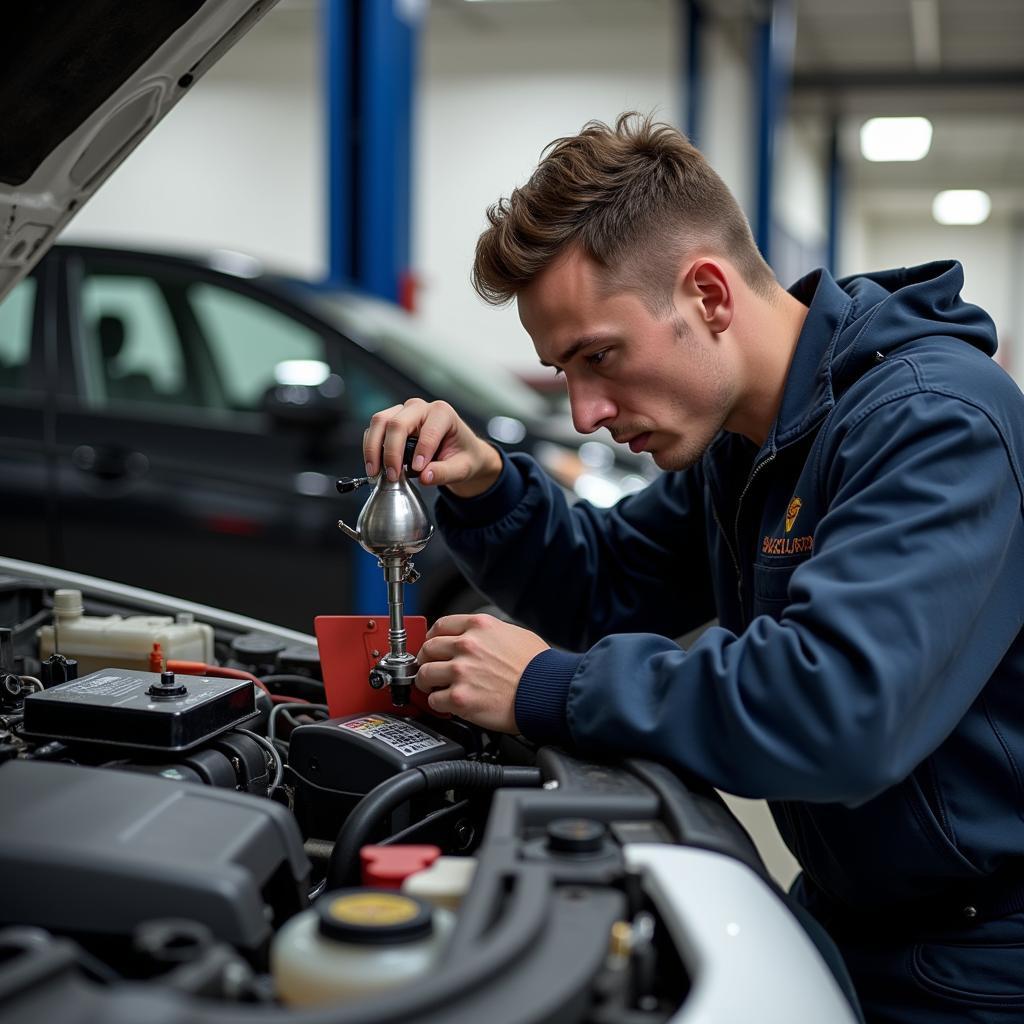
(576, 573)
(893, 626)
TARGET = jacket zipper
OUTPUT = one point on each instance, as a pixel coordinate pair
(736, 532)
(728, 544)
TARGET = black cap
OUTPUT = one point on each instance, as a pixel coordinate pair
(168, 688)
(256, 647)
(575, 835)
(373, 917)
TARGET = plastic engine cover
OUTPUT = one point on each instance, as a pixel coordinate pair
(85, 850)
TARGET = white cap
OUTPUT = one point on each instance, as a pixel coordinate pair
(67, 604)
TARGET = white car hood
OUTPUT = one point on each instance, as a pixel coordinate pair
(83, 84)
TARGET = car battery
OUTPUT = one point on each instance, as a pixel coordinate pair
(333, 764)
(141, 710)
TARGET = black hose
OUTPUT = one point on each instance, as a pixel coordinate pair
(291, 684)
(343, 867)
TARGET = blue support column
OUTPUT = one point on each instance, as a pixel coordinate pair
(775, 42)
(694, 18)
(387, 73)
(369, 59)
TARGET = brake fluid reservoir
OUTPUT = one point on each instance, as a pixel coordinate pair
(355, 942)
(115, 641)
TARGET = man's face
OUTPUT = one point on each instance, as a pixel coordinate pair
(660, 382)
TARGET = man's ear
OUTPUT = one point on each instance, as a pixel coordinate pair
(707, 282)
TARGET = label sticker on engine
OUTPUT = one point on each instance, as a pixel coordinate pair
(403, 736)
(104, 686)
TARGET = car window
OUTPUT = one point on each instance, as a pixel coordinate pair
(172, 340)
(133, 351)
(478, 385)
(16, 334)
(247, 339)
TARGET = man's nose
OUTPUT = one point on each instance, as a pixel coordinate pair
(590, 410)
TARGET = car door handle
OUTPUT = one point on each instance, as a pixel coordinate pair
(109, 462)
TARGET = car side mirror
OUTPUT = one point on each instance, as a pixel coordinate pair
(316, 406)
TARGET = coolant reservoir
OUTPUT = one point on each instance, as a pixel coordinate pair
(115, 641)
(356, 942)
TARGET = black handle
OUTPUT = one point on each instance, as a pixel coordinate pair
(347, 484)
(410, 447)
(110, 462)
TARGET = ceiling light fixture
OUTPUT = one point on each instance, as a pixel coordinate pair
(962, 206)
(895, 138)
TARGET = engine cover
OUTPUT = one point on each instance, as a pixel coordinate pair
(95, 852)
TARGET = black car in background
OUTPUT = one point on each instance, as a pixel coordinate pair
(179, 424)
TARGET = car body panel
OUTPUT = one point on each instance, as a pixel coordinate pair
(85, 85)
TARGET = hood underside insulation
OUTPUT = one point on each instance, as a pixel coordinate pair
(61, 60)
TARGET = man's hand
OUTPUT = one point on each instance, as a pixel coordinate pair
(471, 666)
(448, 452)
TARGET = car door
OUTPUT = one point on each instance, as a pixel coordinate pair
(172, 475)
(27, 493)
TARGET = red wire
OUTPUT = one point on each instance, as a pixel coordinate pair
(200, 668)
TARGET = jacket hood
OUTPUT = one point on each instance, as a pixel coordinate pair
(854, 321)
(910, 303)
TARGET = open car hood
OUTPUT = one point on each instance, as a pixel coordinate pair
(83, 85)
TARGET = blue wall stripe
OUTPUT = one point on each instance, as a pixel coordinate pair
(835, 197)
(694, 70)
(775, 40)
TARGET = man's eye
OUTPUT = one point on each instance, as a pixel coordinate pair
(596, 358)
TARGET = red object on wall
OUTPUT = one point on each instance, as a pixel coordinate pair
(408, 286)
(351, 645)
(387, 867)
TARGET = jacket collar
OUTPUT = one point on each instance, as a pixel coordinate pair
(808, 393)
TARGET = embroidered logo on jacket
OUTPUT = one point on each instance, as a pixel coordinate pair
(789, 545)
(792, 512)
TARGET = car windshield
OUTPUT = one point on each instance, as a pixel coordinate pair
(479, 385)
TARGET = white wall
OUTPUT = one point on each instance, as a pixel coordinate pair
(727, 136)
(490, 102)
(237, 164)
(897, 229)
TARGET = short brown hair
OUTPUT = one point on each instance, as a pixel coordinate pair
(636, 197)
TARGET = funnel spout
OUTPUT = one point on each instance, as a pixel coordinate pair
(354, 534)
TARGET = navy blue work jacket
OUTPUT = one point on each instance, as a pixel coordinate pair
(866, 567)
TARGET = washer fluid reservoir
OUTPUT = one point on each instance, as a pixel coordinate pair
(115, 641)
(356, 942)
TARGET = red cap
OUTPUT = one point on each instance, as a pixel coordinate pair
(387, 867)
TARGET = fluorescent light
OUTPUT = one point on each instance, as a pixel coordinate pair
(962, 206)
(895, 138)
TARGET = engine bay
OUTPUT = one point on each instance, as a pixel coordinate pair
(195, 827)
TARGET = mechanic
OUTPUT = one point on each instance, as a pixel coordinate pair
(842, 491)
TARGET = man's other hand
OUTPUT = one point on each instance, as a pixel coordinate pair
(447, 452)
(470, 665)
